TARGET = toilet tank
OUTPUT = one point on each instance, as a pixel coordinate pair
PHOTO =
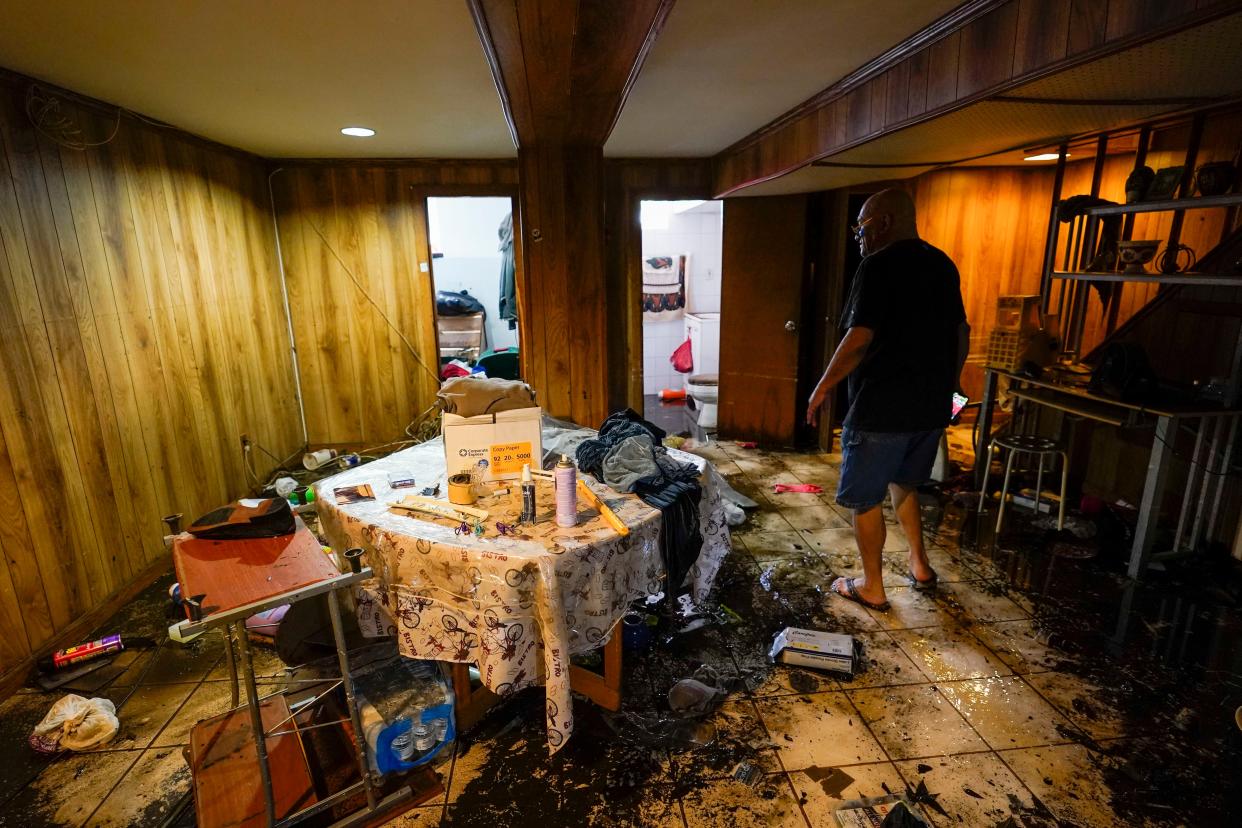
(703, 331)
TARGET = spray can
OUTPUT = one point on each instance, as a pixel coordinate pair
(89, 651)
(566, 477)
(528, 496)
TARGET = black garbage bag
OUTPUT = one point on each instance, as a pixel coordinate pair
(456, 303)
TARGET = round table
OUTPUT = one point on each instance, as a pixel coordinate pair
(496, 600)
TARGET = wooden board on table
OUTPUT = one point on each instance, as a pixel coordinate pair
(233, 573)
(228, 791)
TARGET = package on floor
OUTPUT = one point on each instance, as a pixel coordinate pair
(498, 444)
(816, 649)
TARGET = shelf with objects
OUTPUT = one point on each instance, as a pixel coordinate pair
(294, 772)
(1066, 388)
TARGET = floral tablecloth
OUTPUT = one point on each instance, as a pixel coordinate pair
(497, 600)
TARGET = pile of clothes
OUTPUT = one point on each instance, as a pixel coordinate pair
(629, 456)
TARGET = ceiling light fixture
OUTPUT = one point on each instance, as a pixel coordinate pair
(1045, 156)
(358, 132)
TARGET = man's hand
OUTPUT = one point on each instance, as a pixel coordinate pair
(813, 406)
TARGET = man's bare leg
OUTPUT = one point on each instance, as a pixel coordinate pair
(869, 535)
(906, 507)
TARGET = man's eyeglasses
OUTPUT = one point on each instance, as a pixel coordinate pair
(857, 229)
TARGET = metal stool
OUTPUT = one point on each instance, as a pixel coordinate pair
(1041, 447)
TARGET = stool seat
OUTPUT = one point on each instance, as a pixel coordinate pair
(1028, 443)
(1041, 447)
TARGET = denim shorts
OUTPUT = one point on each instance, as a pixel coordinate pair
(870, 460)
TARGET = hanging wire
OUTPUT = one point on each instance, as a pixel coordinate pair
(51, 121)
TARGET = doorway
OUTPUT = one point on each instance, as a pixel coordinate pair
(681, 264)
(472, 269)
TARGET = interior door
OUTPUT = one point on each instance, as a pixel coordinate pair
(762, 279)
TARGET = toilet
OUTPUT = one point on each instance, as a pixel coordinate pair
(702, 388)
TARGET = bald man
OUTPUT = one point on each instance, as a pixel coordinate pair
(905, 340)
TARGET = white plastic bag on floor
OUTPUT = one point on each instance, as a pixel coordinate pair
(75, 723)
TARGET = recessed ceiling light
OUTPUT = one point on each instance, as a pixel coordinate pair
(358, 132)
(1045, 156)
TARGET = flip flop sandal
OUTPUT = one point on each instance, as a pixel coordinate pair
(851, 594)
(922, 586)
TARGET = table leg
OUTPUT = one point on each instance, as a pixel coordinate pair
(234, 690)
(982, 456)
(469, 705)
(342, 656)
(1153, 492)
(604, 690)
(256, 728)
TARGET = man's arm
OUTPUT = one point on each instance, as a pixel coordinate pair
(848, 355)
(963, 349)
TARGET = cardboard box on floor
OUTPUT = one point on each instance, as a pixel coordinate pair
(504, 442)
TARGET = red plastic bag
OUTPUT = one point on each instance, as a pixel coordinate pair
(682, 359)
(805, 488)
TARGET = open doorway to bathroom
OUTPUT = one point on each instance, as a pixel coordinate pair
(681, 261)
(472, 268)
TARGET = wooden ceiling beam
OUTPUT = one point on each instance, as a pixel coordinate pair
(981, 49)
(563, 68)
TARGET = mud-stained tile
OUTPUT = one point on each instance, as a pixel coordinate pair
(848, 563)
(823, 789)
(1069, 780)
(822, 729)
(1023, 645)
(949, 652)
(915, 721)
(69, 790)
(974, 789)
(910, 608)
(983, 601)
(420, 817)
(882, 663)
(805, 571)
(813, 518)
(1085, 704)
(784, 680)
(839, 540)
(832, 613)
(1007, 713)
(770, 804)
(772, 546)
(761, 521)
(268, 668)
(148, 793)
(211, 698)
(191, 662)
(18, 716)
(145, 712)
(949, 569)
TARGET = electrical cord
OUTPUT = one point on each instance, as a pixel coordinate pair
(43, 110)
(1228, 472)
(434, 375)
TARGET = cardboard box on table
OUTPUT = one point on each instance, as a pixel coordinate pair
(505, 442)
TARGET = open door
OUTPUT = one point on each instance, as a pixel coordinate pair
(762, 285)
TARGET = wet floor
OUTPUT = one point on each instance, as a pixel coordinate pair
(1029, 690)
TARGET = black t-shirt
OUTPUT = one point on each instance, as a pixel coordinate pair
(909, 295)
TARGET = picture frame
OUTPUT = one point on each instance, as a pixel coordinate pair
(1164, 185)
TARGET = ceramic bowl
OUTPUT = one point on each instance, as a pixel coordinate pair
(1135, 254)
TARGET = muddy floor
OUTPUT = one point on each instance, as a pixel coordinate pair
(1031, 689)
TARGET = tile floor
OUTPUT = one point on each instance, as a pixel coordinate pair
(1011, 710)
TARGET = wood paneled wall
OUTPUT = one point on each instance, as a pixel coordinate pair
(141, 333)
(979, 49)
(361, 385)
(992, 222)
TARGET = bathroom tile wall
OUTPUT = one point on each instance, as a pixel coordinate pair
(697, 234)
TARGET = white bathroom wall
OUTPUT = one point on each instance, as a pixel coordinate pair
(672, 229)
(464, 230)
